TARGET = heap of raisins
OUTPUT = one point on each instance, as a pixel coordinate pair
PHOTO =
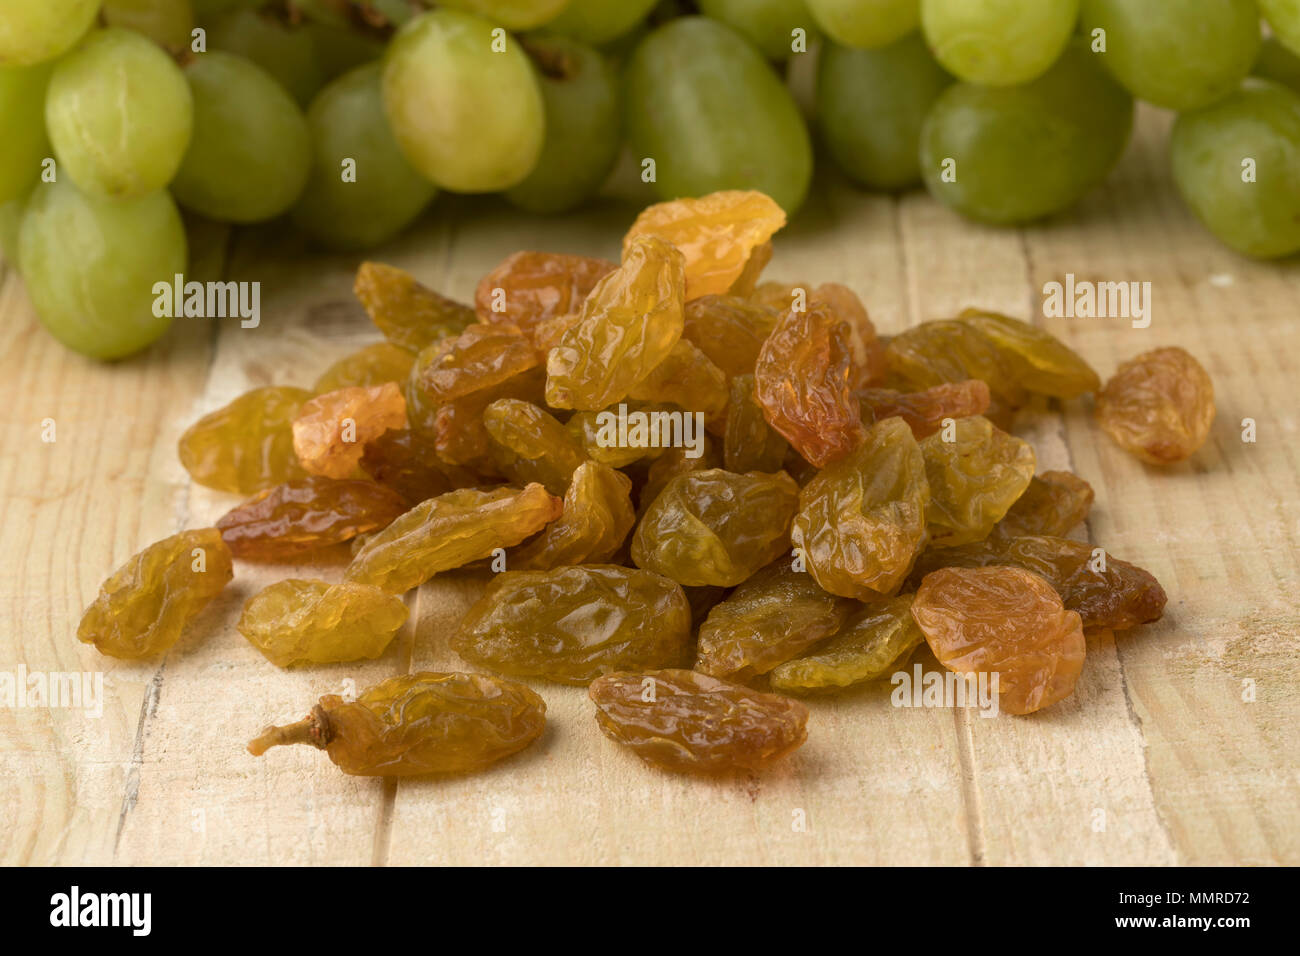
(845, 499)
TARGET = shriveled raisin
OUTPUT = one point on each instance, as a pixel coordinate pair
(976, 472)
(408, 314)
(1055, 503)
(408, 463)
(420, 723)
(145, 604)
(689, 379)
(1004, 621)
(690, 722)
(372, 365)
(530, 444)
(330, 431)
(481, 357)
(877, 638)
(1037, 360)
(952, 351)
(729, 330)
(925, 410)
(573, 624)
(459, 433)
(247, 445)
(630, 431)
(674, 462)
(596, 520)
(750, 443)
(301, 516)
(530, 288)
(1158, 406)
(296, 621)
(717, 234)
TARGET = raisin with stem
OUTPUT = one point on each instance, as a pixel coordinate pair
(420, 723)
(297, 621)
(1158, 406)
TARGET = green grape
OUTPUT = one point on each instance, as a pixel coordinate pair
(90, 266)
(468, 118)
(597, 22)
(167, 22)
(1023, 152)
(119, 114)
(514, 14)
(1284, 17)
(347, 123)
(22, 127)
(1237, 166)
(871, 105)
(11, 221)
(866, 23)
(33, 31)
(1276, 62)
(285, 51)
(1179, 54)
(580, 90)
(250, 155)
(998, 42)
(712, 114)
(768, 24)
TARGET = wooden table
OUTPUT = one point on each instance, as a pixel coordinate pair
(1179, 746)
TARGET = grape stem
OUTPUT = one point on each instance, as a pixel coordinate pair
(313, 729)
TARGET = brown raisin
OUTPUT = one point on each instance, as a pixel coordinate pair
(1158, 406)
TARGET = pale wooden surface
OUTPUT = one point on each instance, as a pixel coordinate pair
(1157, 744)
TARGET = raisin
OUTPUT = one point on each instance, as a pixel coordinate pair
(310, 622)
(716, 527)
(729, 330)
(717, 234)
(459, 433)
(573, 624)
(596, 520)
(629, 324)
(952, 351)
(924, 411)
(685, 721)
(976, 472)
(408, 314)
(408, 463)
(418, 724)
(529, 288)
(747, 281)
(877, 638)
(868, 351)
(1119, 596)
(372, 365)
(448, 532)
(1055, 503)
(145, 604)
(674, 462)
(1004, 621)
(688, 379)
(531, 445)
(331, 430)
(547, 335)
(750, 443)
(1037, 360)
(861, 521)
(804, 381)
(301, 516)
(481, 357)
(774, 616)
(602, 441)
(1158, 406)
(247, 445)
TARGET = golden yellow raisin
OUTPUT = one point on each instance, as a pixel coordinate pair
(408, 314)
(596, 520)
(372, 365)
(876, 639)
(297, 621)
(247, 445)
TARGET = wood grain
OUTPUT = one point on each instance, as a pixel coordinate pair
(1179, 746)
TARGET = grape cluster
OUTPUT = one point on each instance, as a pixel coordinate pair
(347, 116)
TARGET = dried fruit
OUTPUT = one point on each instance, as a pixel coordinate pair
(408, 463)
(459, 433)
(1158, 406)
(716, 527)
(406, 312)
(481, 357)
(750, 443)
(548, 334)
(629, 324)
(372, 365)
(976, 472)
(146, 603)
(532, 445)
(688, 379)
(247, 445)
(729, 330)
(331, 430)
(716, 234)
(1105, 591)
(1038, 361)
(926, 410)
(804, 381)
(952, 351)
(573, 624)
(877, 638)
(1004, 621)
(674, 462)
(774, 616)
(311, 622)
(747, 281)
(448, 532)
(868, 351)
(861, 521)
(685, 721)
(596, 520)
(631, 431)
(1055, 503)
(417, 724)
(300, 516)
(529, 288)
